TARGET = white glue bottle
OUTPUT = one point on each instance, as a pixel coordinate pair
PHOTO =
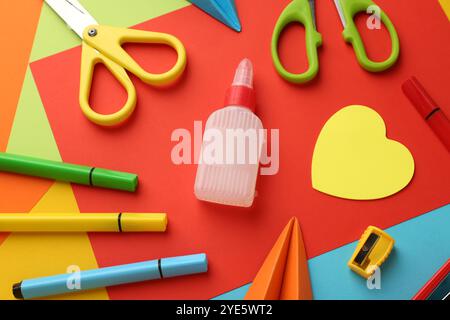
(231, 148)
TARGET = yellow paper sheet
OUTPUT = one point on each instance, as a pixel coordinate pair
(353, 159)
(31, 255)
(446, 7)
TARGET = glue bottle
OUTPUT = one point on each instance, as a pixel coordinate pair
(231, 148)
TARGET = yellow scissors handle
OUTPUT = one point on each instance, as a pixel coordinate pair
(89, 58)
(109, 40)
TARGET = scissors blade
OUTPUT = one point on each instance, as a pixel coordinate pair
(341, 12)
(312, 5)
(73, 13)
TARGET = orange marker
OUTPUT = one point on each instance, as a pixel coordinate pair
(284, 274)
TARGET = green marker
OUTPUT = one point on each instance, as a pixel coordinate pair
(68, 172)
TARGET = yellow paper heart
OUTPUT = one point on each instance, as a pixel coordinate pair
(353, 158)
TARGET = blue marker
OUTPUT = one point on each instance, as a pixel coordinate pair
(111, 276)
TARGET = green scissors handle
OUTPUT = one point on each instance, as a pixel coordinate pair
(298, 11)
(349, 8)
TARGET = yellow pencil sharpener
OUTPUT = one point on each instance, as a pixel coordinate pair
(372, 250)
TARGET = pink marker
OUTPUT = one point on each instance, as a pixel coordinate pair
(232, 143)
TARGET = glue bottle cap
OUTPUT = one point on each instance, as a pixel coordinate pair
(244, 74)
(241, 92)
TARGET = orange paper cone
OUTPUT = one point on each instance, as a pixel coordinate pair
(284, 274)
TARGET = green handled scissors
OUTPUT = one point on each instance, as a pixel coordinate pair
(303, 12)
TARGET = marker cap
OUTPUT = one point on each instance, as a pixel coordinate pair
(142, 222)
(420, 98)
(184, 265)
(114, 179)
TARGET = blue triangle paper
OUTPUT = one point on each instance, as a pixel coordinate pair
(222, 10)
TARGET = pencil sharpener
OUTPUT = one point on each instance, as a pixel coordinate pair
(372, 250)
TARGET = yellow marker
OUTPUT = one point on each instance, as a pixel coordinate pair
(372, 250)
(83, 222)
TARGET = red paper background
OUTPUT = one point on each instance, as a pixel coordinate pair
(237, 240)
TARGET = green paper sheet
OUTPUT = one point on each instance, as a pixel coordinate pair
(31, 134)
(53, 36)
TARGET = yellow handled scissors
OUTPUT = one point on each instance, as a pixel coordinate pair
(103, 44)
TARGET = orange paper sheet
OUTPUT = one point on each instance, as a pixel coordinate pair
(18, 25)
